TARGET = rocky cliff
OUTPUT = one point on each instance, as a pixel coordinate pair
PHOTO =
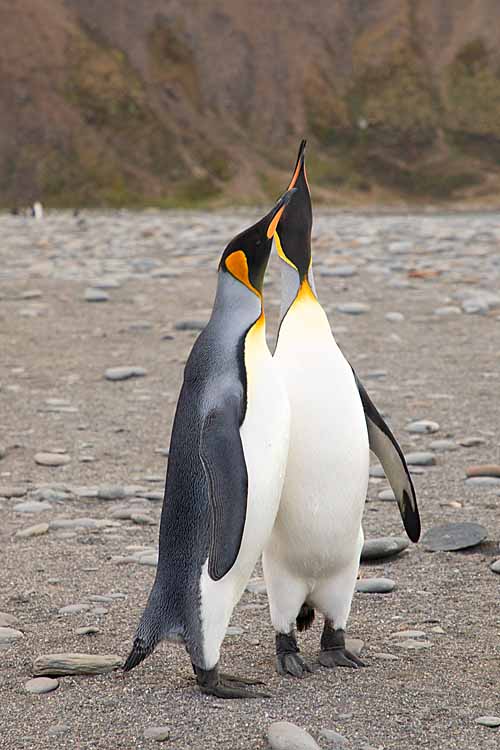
(177, 102)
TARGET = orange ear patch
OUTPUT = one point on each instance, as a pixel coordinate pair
(237, 266)
(274, 223)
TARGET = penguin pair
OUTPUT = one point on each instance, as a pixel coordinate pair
(268, 454)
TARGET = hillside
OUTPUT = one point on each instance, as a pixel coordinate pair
(174, 103)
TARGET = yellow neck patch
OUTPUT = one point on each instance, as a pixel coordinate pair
(237, 266)
(281, 252)
(305, 293)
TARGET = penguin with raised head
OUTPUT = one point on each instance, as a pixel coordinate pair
(225, 471)
(312, 558)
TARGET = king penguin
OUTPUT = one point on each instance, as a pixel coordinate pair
(312, 558)
(225, 472)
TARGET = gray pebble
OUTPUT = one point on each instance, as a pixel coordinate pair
(443, 446)
(375, 585)
(113, 492)
(283, 735)
(384, 546)
(353, 308)
(87, 630)
(234, 630)
(394, 317)
(482, 482)
(488, 721)
(333, 738)
(413, 645)
(343, 272)
(453, 536)
(37, 530)
(472, 442)
(124, 373)
(256, 586)
(495, 566)
(8, 621)
(41, 685)
(386, 495)
(408, 634)
(31, 506)
(96, 295)
(12, 491)
(190, 325)
(422, 426)
(56, 730)
(74, 609)
(9, 635)
(447, 310)
(420, 458)
(52, 459)
(158, 734)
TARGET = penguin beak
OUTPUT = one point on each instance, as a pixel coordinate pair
(299, 166)
(277, 211)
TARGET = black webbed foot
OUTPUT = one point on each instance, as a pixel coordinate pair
(213, 682)
(333, 651)
(288, 660)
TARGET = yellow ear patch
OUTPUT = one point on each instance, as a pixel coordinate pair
(274, 223)
(281, 252)
(237, 266)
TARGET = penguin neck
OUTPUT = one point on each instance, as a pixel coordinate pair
(236, 307)
(292, 286)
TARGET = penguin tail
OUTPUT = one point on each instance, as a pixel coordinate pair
(140, 650)
(305, 618)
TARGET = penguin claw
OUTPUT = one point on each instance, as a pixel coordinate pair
(340, 658)
(292, 664)
(240, 681)
(231, 687)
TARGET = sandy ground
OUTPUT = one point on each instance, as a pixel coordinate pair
(56, 345)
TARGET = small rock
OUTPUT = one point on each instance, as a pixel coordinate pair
(344, 272)
(41, 685)
(495, 567)
(96, 295)
(124, 373)
(394, 317)
(9, 635)
(256, 586)
(375, 585)
(422, 426)
(447, 310)
(453, 536)
(482, 482)
(488, 721)
(443, 446)
(113, 492)
(52, 459)
(9, 491)
(74, 609)
(353, 308)
(385, 546)
(141, 519)
(283, 735)
(386, 495)
(87, 630)
(483, 470)
(37, 530)
(438, 629)
(412, 645)
(234, 630)
(333, 738)
(8, 621)
(420, 458)
(56, 730)
(158, 734)
(68, 664)
(468, 442)
(408, 634)
(31, 506)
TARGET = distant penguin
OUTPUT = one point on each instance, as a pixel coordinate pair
(37, 210)
(225, 472)
(312, 558)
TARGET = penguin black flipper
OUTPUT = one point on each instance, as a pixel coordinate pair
(386, 448)
(223, 459)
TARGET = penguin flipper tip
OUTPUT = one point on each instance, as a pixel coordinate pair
(138, 653)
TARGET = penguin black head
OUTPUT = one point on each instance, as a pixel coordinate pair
(293, 240)
(247, 255)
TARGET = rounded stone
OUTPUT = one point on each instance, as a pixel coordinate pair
(190, 325)
(32, 506)
(37, 530)
(386, 495)
(495, 566)
(408, 634)
(422, 427)
(482, 482)
(420, 458)
(158, 734)
(384, 546)
(52, 459)
(256, 586)
(9, 635)
(375, 585)
(483, 470)
(453, 536)
(41, 685)
(353, 308)
(283, 735)
(96, 295)
(394, 317)
(334, 739)
(8, 621)
(443, 446)
(124, 373)
(488, 721)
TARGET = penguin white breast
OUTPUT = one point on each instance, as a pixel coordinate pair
(319, 522)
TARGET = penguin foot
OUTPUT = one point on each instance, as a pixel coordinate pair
(288, 660)
(333, 651)
(212, 682)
